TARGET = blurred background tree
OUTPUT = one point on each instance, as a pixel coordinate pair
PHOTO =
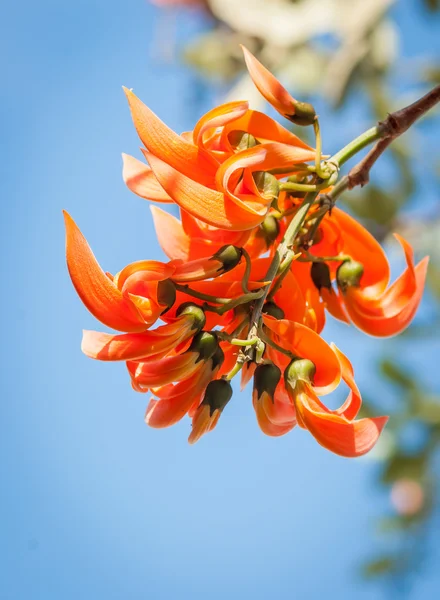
(348, 59)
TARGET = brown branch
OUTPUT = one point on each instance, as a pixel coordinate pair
(391, 128)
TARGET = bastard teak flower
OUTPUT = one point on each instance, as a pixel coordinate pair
(257, 260)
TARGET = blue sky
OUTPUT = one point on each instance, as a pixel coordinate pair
(95, 504)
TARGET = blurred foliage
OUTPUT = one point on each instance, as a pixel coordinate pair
(343, 52)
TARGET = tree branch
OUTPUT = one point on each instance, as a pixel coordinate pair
(391, 128)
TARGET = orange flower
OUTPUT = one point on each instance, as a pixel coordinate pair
(124, 303)
(147, 344)
(275, 413)
(155, 373)
(206, 174)
(300, 113)
(217, 395)
(364, 294)
(336, 430)
(177, 400)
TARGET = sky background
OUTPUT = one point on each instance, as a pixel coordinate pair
(94, 504)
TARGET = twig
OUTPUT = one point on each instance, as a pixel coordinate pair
(391, 128)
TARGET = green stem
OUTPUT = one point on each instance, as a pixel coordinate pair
(356, 145)
(206, 297)
(280, 255)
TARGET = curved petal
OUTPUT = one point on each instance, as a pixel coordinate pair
(164, 143)
(205, 204)
(156, 373)
(218, 117)
(337, 434)
(269, 86)
(264, 129)
(305, 343)
(97, 291)
(175, 403)
(150, 270)
(135, 346)
(394, 319)
(170, 234)
(267, 426)
(353, 403)
(140, 179)
(363, 247)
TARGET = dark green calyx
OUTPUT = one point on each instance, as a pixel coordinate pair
(320, 274)
(166, 293)
(240, 140)
(349, 274)
(270, 229)
(301, 369)
(267, 184)
(272, 309)
(229, 256)
(304, 114)
(205, 343)
(217, 358)
(190, 309)
(266, 378)
(217, 395)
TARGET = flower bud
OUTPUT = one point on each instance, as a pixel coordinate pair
(272, 309)
(301, 369)
(266, 379)
(166, 293)
(217, 358)
(217, 395)
(192, 310)
(349, 274)
(241, 140)
(267, 184)
(205, 343)
(229, 256)
(320, 274)
(270, 229)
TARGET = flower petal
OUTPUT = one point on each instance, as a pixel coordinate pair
(205, 204)
(161, 141)
(363, 247)
(140, 179)
(99, 294)
(269, 86)
(136, 346)
(392, 311)
(218, 117)
(305, 343)
(337, 434)
(264, 129)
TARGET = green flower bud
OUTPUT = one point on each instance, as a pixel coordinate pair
(349, 274)
(301, 369)
(190, 309)
(266, 379)
(272, 309)
(267, 184)
(270, 229)
(320, 274)
(229, 255)
(240, 140)
(205, 343)
(166, 293)
(217, 358)
(217, 395)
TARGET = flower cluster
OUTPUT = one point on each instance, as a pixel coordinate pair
(257, 259)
